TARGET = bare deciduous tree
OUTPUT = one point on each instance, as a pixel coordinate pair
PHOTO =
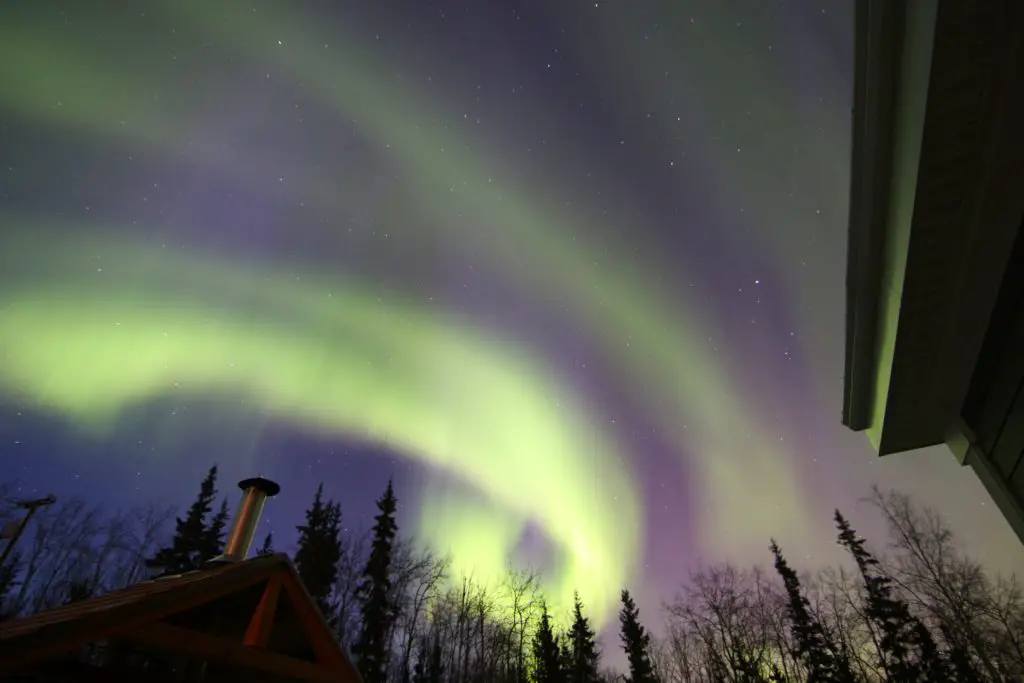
(522, 605)
(417, 576)
(951, 592)
(354, 549)
(77, 549)
(141, 532)
(61, 542)
(837, 601)
(723, 624)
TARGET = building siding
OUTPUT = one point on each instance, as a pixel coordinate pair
(994, 408)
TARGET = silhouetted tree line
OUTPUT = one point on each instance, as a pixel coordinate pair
(922, 612)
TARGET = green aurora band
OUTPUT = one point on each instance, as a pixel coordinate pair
(656, 338)
(327, 356)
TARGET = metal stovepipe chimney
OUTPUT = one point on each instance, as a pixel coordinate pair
(254, 495)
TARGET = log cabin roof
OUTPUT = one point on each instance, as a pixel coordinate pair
(254, 615)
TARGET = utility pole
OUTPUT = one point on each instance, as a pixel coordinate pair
(30, 507)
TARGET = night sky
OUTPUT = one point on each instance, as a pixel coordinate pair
(571, 272)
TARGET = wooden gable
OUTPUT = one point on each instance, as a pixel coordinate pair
(254, 615)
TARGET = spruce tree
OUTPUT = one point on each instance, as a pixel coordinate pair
(825, 663)
(213, 536)
(190, 542)
(907, 650)
(268, 545)
(319, 550)
(374, 593)
(584, 658)
(635, 642)
(565, 661)
(547, 657)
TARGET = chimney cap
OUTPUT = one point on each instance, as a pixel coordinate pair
(267, 487)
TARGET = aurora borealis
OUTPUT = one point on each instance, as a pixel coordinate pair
(565, 267)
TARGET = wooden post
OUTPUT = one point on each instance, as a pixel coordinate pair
(262, 621)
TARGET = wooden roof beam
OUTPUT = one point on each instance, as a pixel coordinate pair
(257, 634)
(223, 651)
